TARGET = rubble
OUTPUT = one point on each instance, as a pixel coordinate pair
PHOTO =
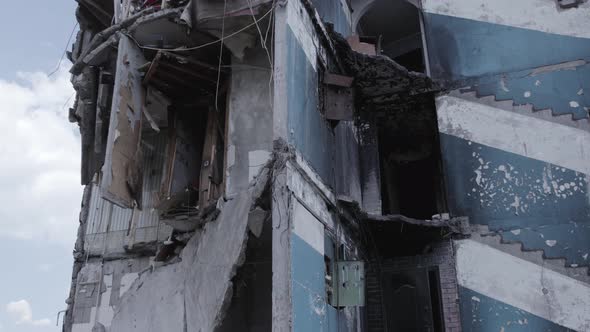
(198, 288)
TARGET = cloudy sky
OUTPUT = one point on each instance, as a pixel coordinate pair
(39, 165)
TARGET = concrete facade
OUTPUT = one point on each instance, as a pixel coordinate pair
(222, 194)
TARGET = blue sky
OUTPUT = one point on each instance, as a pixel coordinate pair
(39, 165)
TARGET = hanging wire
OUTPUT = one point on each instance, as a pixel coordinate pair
(220, 55)
(184, 49)
(263, 42)
(64, 52)
(68, 100)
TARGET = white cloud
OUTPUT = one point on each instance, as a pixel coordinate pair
(45, 267)
(23, 314)
(39, 159)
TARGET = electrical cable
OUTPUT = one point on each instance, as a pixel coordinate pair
(263, 41)
(68, 100)
(64, 52)
(184, 49)
(220, 55)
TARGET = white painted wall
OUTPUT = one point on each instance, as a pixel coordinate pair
(516, 133)
(522, 284)
(308, 228)
(541, 15)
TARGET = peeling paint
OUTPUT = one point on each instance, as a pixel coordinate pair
(551, 243)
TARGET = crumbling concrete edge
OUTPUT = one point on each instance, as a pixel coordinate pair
(256, 189)
(103, 36)
(189, 262)
(78, 258)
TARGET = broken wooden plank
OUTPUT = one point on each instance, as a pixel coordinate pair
(208, 190)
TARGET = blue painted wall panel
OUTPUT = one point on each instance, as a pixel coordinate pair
(460, 48)
(309, 289)
(333, 11)
(309, 132)
(308, 310)
(307, 266)
(564, 91)
(311, 312)
(483, 314)
(508, 191)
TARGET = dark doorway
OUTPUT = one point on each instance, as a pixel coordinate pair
(412, 299)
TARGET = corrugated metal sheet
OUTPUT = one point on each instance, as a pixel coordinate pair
(154, 150)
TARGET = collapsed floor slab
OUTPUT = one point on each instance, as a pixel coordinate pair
(192, 295)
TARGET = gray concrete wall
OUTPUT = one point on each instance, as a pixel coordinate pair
(99, 290)
(250, 119)
(193, 294)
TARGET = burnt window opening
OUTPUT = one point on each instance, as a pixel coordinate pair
(410, 161)
(186, 102)
(394, 239)
(394, 27)
(404, 119)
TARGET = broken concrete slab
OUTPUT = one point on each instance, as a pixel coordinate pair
(192, 295)
(256, 220)
(380, 81)
(102, 36)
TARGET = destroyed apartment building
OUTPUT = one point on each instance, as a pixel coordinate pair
(332, 165)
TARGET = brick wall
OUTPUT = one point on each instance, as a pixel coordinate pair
(442, 256)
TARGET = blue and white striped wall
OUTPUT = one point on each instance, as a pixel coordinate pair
(515, 172)
(524, 175)
(470, 38)
(501, 292)
(529, 51)
(309, 244)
